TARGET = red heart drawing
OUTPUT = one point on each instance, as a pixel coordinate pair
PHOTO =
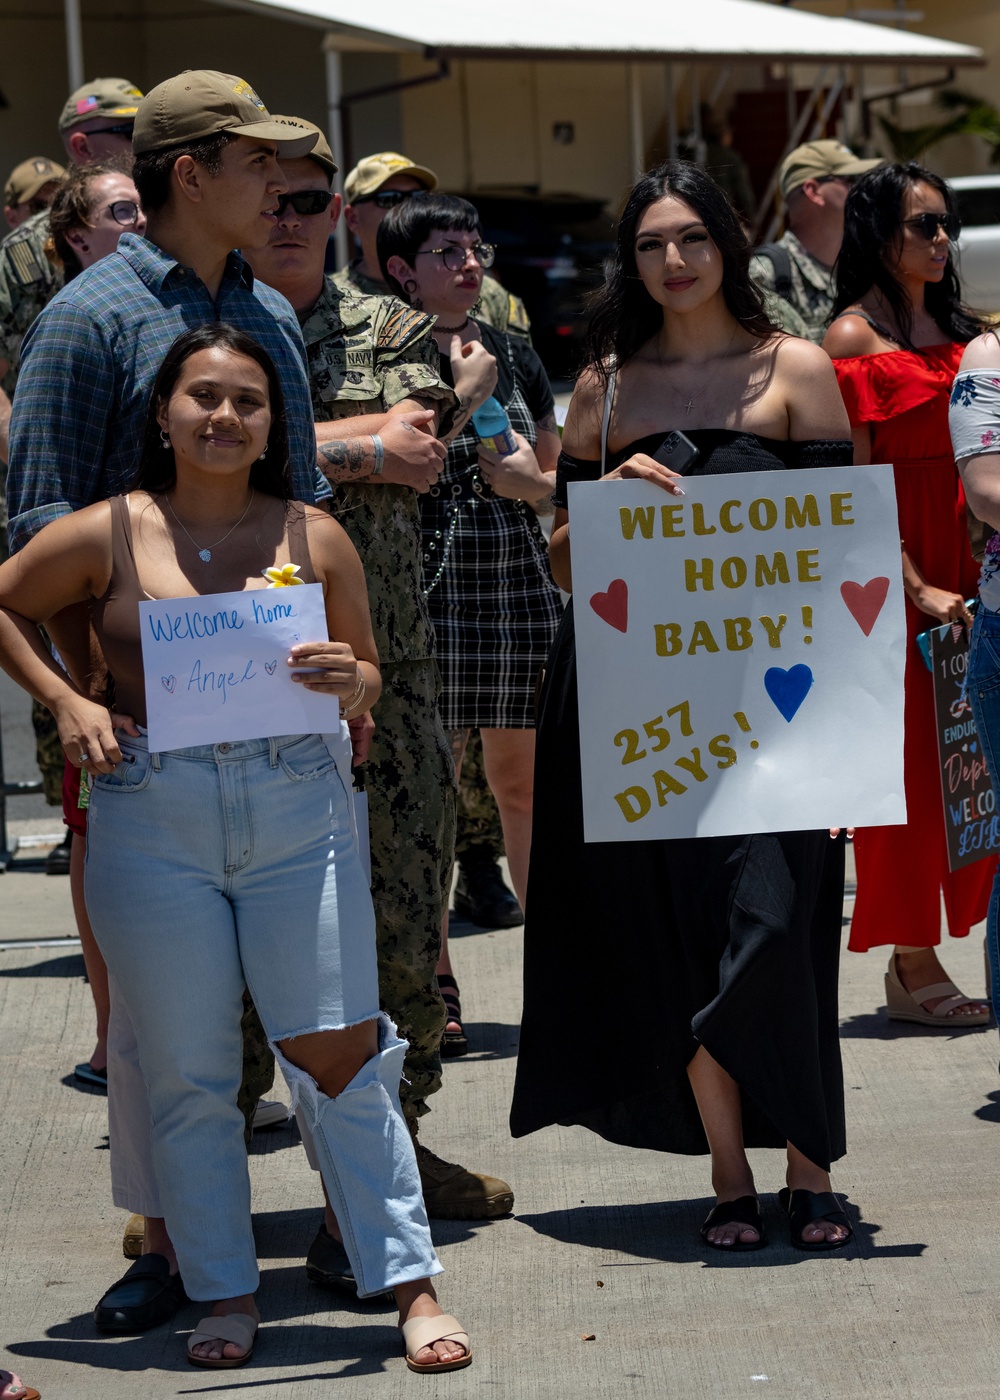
(612, 606)
(865, 601)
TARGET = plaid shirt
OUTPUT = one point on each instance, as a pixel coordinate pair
(88, 365)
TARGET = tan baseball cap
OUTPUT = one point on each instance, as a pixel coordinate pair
(818, 159)
(26, 179)
(371, 174)
(104, 97)
(321, 152)
(202, 102)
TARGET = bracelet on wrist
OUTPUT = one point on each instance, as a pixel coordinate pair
(378, 447)
(356, 699)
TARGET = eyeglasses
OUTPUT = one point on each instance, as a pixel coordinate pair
(455, 258)
(384, 199)
(125, 129)
(826, 179)
(123, 211)
(927, 225)
(306, 202)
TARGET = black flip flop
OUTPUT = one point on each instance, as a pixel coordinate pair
(805, 1208)
(745, 1211)
(86, 1074)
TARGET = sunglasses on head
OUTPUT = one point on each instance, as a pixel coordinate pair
(385, 199)
(927, 225)
(305, 202)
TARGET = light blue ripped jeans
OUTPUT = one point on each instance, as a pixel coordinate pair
(222, 864)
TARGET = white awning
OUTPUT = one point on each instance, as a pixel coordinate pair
(709, 30)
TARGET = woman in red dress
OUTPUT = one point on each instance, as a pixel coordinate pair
(896, 340)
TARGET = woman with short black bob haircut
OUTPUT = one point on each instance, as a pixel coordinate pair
(240, 850)
(486, 574)
(696, 1006)
(897, 338)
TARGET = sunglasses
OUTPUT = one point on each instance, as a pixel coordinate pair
(455, 258)
(927, 225)
(305, 202)
(125, 129)
(384, 199)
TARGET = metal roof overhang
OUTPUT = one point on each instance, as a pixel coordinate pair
(724, 31)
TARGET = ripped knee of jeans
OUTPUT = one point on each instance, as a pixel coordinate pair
(385, 1064)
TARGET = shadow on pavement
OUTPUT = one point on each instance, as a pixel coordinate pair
(990, 1112)
(667, 1233)
(69, 965)
(875, 1025)
(488, 1040)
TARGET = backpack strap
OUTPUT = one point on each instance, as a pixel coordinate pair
(780, 259)
(609, 398)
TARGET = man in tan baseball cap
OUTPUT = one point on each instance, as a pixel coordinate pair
(814, 181)
(202, 103)
(371, 189)
(96, 120)
(30, 188)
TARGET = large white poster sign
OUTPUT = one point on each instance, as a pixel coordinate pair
(216, 670)
(740, 653)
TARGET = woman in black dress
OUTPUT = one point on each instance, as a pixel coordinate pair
(727, 947)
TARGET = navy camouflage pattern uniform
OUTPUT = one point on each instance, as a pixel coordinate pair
(28, 282)
(478, 816)
(365, 354)
(810, 303)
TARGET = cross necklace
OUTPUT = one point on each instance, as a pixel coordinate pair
(689, 404)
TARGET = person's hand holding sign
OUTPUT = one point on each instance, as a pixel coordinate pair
(332, 668)
(645, 468)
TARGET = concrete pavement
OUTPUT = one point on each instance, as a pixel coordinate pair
(603, 1242)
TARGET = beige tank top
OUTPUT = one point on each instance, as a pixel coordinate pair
(116, 613)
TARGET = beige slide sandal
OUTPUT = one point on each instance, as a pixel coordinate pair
(909, 1006)
(237, 1328)
(425, 1331)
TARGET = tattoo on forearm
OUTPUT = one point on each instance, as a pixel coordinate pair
(343, 460)
(548, 423)
(462, 412)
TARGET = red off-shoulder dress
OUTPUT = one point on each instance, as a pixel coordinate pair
(903, 396)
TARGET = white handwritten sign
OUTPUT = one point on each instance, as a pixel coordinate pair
(740, 653)
(216, 671)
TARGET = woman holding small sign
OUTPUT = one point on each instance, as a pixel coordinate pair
(240, 850)
(898, 334)
(725, 1035)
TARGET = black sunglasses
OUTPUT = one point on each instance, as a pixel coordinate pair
(305, 202)
(124, 130)
(384, 199)
(927, 225)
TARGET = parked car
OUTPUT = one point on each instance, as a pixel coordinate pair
(551, 252)
(978, 199)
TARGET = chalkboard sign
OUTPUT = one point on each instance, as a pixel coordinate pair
(970, 817)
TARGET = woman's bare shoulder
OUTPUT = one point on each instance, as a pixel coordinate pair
(982, 353)
(850, 336)
(582, 431)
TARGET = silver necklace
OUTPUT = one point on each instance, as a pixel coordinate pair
(689, 404)
(205, 555)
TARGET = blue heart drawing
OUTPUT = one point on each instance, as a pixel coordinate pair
(787, 689)
(270, 667)
(973, 747)
(168, 683)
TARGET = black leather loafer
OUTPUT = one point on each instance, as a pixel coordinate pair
(328, 1265)
(142, 1298)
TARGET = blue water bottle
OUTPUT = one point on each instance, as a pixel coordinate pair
(493, 428)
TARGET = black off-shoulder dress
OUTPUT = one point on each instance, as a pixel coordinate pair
(638, 952)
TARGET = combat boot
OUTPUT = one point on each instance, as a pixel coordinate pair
(452, 1192)
(481, 895)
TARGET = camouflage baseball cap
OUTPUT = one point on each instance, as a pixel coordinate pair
(104, 97)
(818, 160)
(321, 152)
(26, 179)
(371, 174)
(202, 102)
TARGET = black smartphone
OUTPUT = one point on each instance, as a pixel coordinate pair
(677, 452)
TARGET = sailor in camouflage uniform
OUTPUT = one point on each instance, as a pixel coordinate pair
(797, 271)
(367, 356)
(95, 124)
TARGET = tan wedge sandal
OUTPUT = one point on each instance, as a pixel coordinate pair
(909, 1006)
